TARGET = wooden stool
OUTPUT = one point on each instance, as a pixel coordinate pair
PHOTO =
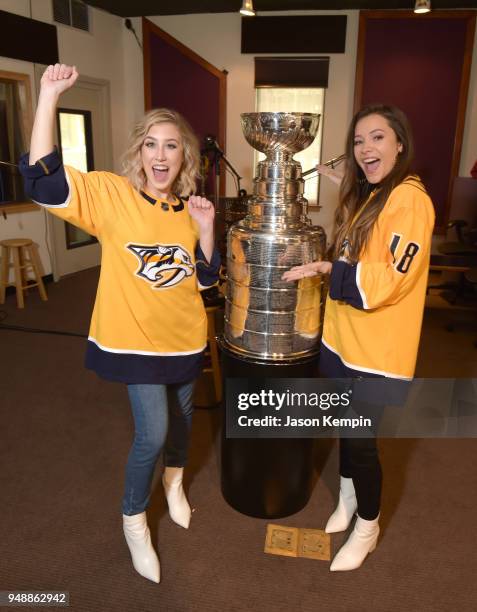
(213, 353)
(24, 258)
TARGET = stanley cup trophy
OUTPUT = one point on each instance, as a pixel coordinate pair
(272, 327)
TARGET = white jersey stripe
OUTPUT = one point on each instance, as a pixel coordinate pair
(146, 353)
(361, 369)
(360, 288)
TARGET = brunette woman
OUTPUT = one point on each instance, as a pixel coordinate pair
(378, 275)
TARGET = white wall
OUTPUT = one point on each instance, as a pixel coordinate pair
(133, 73)
(98, 54)
(19, 7)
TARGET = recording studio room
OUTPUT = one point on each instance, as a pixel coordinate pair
(270, 89)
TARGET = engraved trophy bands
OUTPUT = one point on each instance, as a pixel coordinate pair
(265, 317)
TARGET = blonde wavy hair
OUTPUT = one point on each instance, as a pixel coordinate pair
(185, 183)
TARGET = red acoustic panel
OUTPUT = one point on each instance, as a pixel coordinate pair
(418, 65)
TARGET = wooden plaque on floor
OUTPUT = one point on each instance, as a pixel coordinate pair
(296, 542)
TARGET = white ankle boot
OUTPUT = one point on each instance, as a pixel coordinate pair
(341, 517)
(179, 508)
(138, 538)
(362, 541)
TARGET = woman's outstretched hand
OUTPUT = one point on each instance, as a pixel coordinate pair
(58, 78)
(202, 211)
(307, 270)
(336, 176)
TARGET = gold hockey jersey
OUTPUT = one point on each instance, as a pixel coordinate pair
(374, 310)
(149, 323)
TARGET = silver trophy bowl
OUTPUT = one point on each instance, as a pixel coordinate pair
(286, 132)
(266, 318)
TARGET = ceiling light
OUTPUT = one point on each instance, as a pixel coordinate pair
(247, 8)
(422, 6)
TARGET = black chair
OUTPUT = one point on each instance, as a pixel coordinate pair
(458, 253)
(457, 256)
(466, 243)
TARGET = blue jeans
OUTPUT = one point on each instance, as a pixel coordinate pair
(162, 418)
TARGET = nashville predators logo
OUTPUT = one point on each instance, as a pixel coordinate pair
(162, 265)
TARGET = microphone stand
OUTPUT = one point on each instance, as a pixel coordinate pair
(221, 155)
(212, 145)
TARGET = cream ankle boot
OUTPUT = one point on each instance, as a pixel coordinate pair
(138, 538)
(341, 517)
(179, 508)
(362, 541)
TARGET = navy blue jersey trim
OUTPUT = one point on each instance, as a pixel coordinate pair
(331, 366)
(164, 205)
(207, 272)
(143, 369)
(147, 197)
(178, 207)
(45, 181)
(343, 285)
(385, 391)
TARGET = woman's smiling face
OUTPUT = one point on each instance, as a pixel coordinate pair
(376, 147)
(162, 155)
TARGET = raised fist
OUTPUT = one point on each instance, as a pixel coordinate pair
(58, 78)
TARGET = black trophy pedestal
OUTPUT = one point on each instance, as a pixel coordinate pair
(267, 477)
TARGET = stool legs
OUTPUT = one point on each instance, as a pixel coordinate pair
(25, 257)
(18, 277)
(214, 357)
(213, 353)
(24, 265)
(35, 264)
(4, 274)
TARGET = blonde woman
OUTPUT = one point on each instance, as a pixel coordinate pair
(378, 276)
(148, 328)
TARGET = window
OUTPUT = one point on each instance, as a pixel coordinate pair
(73, 13)
(15, 129)
(74, 129)
(76, 145)
(304, 100)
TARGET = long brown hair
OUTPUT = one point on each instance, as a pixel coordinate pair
(185, 182)
(355, 189)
